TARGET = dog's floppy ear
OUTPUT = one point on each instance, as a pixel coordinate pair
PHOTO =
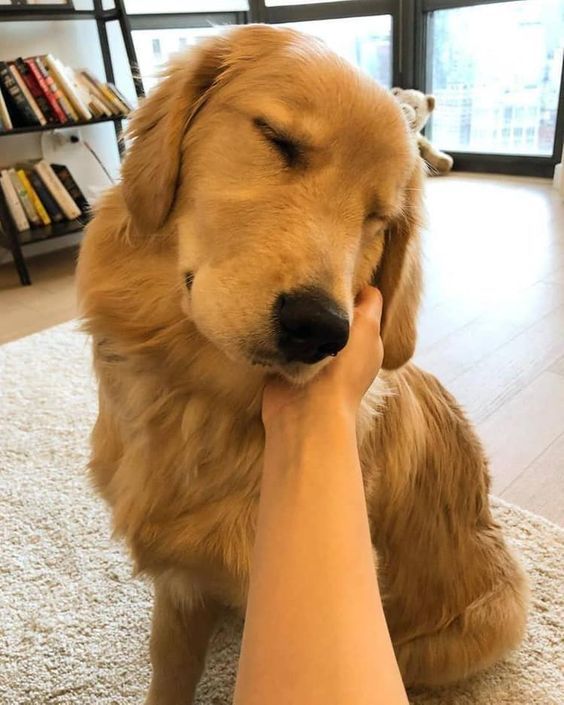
(151, 167)
(399, 278)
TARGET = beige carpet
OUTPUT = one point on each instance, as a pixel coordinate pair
(74, 623)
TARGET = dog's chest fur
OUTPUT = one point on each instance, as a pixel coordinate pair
(181, 468)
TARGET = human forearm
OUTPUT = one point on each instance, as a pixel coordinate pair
(315, 628)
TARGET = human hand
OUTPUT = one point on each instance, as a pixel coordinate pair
(344, 380)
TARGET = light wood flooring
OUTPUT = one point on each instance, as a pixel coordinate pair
(492, 324)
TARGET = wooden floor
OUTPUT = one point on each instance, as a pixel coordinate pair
(49, 301)
(492, 325)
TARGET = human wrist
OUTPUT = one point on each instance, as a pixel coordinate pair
(310, 414)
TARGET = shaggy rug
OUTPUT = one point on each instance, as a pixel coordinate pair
(74, 623)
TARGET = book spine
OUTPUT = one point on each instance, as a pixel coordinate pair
(110, 95)
(39, 207)
(57, 112)
(55, 213)
(4, 114)
(96, 108)
(65, 83)
(14, 206)
(103, 92)
(65, 177)
(93, 95)
(62, 102)
(18, 99)
(82, 91)
(35, 89)
(27, 95)
(25, 200)
(120, 97)
(58, 191)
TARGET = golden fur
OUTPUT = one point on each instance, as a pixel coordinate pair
(177, 447)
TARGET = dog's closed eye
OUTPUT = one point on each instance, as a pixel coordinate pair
(188, 280)
(375, 217)
(289, 149)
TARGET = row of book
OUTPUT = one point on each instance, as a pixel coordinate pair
(41, 90)
(40, 194)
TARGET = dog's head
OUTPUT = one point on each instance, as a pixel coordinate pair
(286, 180)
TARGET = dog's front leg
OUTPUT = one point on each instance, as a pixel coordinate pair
(179, 639)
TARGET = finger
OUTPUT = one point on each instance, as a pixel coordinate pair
(369, 302)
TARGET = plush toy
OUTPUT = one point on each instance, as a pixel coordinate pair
(417, 108)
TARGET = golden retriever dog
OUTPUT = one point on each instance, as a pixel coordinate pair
(267, 182)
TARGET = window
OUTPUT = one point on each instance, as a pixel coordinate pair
(154, 47)
(497, 64)
(364, 41)
(494, 65)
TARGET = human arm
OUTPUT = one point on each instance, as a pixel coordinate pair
(315, 631)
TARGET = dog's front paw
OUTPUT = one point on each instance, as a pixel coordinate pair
(168, 698)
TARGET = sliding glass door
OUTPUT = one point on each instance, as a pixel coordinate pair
(496, 73)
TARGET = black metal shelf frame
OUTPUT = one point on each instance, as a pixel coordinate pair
(49, 14)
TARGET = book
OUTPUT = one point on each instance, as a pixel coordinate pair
(29, 208)
(108, 96)
(84, 92)
(58, 191)
(63, 103)
(55, 213)
(95, 102)
(31, 192)
(5, 219)
(6, 121)
(56, 110)
(36, 91)
(19, 106)
(7, 226)
(12, 201)
(98, 93)
(27, 95)
(120, 97)
(71, 186)
(96, 106)
(57, 69)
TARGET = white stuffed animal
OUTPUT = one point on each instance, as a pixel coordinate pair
(417, 108)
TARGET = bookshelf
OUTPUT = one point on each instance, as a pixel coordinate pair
(48, 128)
(17, 241)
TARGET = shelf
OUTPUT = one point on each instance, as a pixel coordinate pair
(99, 17)
(49, 232)
(59, 126)
(21, 13)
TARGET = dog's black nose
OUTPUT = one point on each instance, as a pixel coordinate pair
(310, 325)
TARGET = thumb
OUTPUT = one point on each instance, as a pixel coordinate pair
(369, 303)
